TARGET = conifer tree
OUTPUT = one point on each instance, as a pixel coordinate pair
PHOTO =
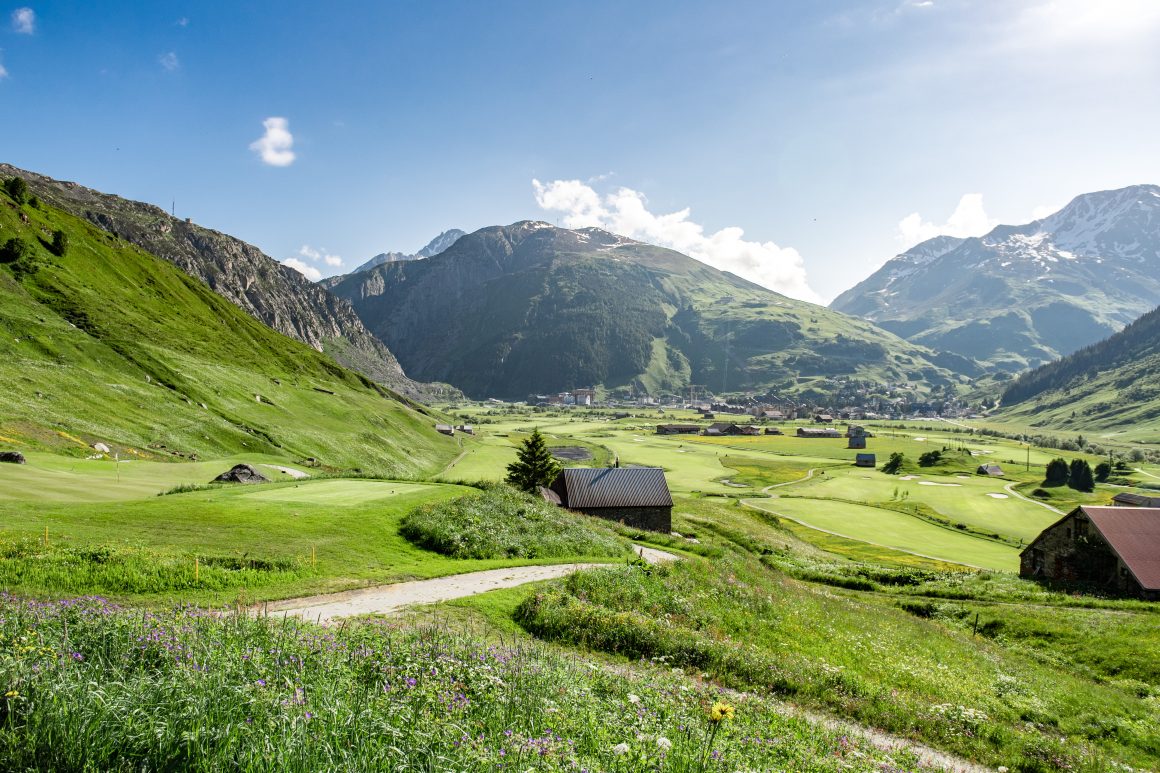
(1057, 473)
(59, 243)
(1080, 476)
(534, 466)
(17, 189)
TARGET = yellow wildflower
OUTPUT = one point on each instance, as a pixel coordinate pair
(720, 712)
(12, 694)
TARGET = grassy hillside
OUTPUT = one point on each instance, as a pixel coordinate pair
(107, 343)
(1108, 384)
(529, 308)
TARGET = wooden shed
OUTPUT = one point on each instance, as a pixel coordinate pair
(635, 496)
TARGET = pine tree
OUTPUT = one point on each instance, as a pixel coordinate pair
(534, 466)
(1057, 473)
(1080, 476)
(1103, 471)
(59, 243)
(17, 189)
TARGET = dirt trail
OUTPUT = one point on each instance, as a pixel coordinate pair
(1010, 489)
(809, 474)
(388, 599)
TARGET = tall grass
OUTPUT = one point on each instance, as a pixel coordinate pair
(89, 686)
(756, 629)
(502, 522)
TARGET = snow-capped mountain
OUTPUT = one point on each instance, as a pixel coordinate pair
(434, 247)
(1023, 295)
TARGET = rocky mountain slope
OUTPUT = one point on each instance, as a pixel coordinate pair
(275, 294)
(434, 247)
(1108, 384)
(529, 308)
(102, 342)
(1024, 295)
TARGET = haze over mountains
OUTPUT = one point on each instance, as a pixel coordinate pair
(513, 310)
(1024, 295)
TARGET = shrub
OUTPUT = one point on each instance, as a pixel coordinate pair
(1080, 476)
(59, 243)
(17, 189)
(505, 523)
(1057, 473)
(930, 459)
(894, 465)
(1103, 471)
(15, 250)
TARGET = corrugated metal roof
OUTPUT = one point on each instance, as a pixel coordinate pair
(616, 487)
(1134, 533)
(1136, 500)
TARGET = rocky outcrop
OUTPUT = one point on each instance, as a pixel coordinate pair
(241, 473)
(269, 291)
(12, 457)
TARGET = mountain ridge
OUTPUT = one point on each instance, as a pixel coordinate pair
(572, 308)
(432, 248)
(1024, 295)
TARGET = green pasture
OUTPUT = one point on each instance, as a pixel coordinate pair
(975, 500)
(52, 478)
(350, 528)
(893, 530)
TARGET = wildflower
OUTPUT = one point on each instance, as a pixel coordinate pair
(720, 712)
(633, 698)
(620, 749)
(664, 743)
(12, 694)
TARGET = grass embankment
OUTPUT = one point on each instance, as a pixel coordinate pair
(754, 628)
(262, 542)
(88, 686)
(502, 522)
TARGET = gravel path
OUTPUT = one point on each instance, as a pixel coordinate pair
(293, 473)
(1010, 489)
(388, 599)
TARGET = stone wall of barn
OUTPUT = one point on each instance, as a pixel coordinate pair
(649, 518)
(1074, 551)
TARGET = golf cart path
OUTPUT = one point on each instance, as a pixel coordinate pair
(388, 599)
(809, 474)
(1145, 472)
(1010, 489)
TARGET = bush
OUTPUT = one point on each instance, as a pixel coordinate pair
(503, 522)
(894, 465)
(17, 189)
(930, 459)
(15, 251)
(59, 243)
(1057, 473)
(1103, 470)
(1080, 476)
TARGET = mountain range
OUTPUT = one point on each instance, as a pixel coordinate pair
(1024, 295)
(273, 293)
(531, 308)
(433, 247)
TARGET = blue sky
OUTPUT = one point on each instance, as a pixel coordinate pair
(800, 144)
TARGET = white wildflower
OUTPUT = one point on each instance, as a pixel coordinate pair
(620, 749)
(633, 698)
(664, 743)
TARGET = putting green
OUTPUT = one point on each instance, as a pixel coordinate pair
(338, 493)
(894, 530)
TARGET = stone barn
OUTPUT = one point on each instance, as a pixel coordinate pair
(994, 470)
(1114, 547)
(635, 496)
(865, 460)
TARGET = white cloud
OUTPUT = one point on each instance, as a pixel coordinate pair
(275, 145)
(169, 61)
(1043, 210)
(968, 219)
(625, 211)
(305, 269)
(3, 72)
(1067, 23)
(24, 21)
(320, 255)
(183, 22)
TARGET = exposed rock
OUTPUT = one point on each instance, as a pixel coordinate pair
(104, 449)
(241, 473)
(12, 457)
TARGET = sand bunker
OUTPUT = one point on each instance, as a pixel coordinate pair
(909, 477)
(998, 496)
(933, 483)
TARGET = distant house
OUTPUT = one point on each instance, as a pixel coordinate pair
(865, 460)
(1128, 499)
(727, 428)
(678, 429)
(1113, 547)
(823, 418)
(828, 432)
(466, 429)
(994, 470)
(635, 496)
(773, 431)
(445, 429)
(857, 437)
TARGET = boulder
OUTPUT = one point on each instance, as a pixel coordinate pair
(12, 457)
(104, 449)
(241, 473)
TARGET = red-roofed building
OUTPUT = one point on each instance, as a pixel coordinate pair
(1115, 547)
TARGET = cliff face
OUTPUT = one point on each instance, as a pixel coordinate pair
(272, 293)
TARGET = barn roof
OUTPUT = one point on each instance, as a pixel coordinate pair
(616, 487)
(1134, 533)
(1136, 500)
